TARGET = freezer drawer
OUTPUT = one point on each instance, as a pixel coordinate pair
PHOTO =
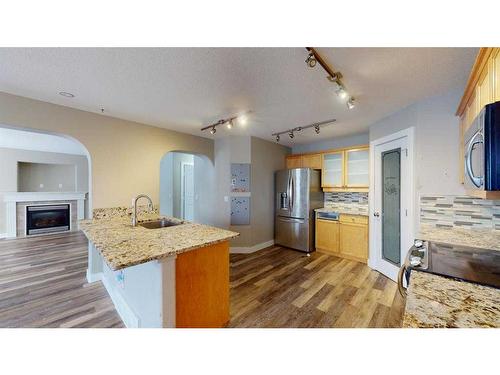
(293, 233)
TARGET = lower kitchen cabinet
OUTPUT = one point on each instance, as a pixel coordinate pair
(327, 236)
(347, 238)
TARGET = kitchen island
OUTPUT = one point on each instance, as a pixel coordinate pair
(174, 276)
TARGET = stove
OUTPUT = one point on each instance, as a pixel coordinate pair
(481, 266)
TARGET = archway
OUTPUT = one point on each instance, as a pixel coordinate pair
(186, 186)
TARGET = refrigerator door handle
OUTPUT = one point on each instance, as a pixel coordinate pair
(292, 193)
(291, 220)
(288, 190)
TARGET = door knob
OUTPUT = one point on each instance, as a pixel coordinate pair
(376, 214)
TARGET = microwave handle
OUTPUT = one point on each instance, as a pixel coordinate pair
(476, 180)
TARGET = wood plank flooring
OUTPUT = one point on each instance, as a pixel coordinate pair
(43, 284)
(279, 287)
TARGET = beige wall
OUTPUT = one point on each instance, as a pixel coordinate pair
(46, 177)
(267, 158)
(125, 156)
(9, 159)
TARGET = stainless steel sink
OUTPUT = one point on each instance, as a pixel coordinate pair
(163, 223)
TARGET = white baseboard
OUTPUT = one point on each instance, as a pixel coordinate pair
(93, 277)
(251, 249)
(3, 235)
(126, 314)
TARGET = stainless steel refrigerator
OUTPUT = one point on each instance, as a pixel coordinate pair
(298, 193)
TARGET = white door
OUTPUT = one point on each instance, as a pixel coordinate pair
(187, 189)
(391, 220)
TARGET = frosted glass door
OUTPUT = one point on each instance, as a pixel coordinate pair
(391, 206)
(357, 168)
(332, 170)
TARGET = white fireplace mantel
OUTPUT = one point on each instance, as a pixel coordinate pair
(11, 199)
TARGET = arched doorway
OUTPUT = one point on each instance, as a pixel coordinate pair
(186, 186)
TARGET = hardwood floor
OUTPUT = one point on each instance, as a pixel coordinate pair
(43, 284)
(278, 287)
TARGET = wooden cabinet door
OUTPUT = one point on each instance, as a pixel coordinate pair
(357, 168)
(354, 241)
(496, 74)
(485, 86)
(327, 235)
(294, 161)
(461, 151)
(311, 161)
(332, 172)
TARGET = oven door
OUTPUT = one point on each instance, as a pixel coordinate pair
(474, 157)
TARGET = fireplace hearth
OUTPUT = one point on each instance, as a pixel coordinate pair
(47, 219)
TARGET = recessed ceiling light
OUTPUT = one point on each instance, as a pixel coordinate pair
(66, 94)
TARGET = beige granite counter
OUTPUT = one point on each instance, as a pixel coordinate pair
(123, 245)
(480, 238)
(346, 208)
(437, 302)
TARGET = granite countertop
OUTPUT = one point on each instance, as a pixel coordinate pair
(480, 238)
(347, 208)
(436, 302)
(123, 245)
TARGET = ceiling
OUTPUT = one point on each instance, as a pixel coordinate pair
(26, 140)
(185, 88)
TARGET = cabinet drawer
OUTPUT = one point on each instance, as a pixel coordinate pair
(353, 219)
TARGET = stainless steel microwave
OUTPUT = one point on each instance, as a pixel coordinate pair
(482, 150)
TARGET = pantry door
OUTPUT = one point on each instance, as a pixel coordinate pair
(391, 203)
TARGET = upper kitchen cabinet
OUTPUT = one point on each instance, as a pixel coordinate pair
(293, 161)
(303, 161)
(333, 170)
(357, 168)
(346, 170)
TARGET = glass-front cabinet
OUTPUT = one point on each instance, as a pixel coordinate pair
(346, 170)
(357, 168)
(333, 169)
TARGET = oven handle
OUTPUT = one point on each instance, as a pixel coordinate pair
(401, 274)
(476, 180)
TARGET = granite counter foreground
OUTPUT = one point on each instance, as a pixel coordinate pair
(122, 245)
(438, 302)
(480, 238)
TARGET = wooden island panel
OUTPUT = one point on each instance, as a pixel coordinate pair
(202, 287)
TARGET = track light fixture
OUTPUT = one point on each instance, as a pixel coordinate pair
(311, 60)
(334, 77)
(350, 103)
(242, 120)
(291, 132)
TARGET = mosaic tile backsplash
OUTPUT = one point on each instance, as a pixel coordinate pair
(460, 211)
(358, 198)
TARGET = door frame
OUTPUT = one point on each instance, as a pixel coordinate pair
(374, 252)
(183, 187)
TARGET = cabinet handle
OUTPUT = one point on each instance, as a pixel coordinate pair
(376, 214)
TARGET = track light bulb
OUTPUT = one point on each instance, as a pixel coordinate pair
(243, 119)
(316, 129)
(291, 135)
(213, 130)
(277, 138)
(350, 103)
(342, 93)
(229, 124)
(311, 61)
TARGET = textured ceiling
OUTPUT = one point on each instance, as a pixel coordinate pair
(186, 88)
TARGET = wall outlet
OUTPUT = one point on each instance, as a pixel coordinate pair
(60, 186)
(41, 186)
(120, 278)
(226, 198)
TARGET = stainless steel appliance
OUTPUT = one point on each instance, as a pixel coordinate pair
(482, 150)
(298, 193)
(481, 266)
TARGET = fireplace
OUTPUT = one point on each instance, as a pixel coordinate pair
(47, 219)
